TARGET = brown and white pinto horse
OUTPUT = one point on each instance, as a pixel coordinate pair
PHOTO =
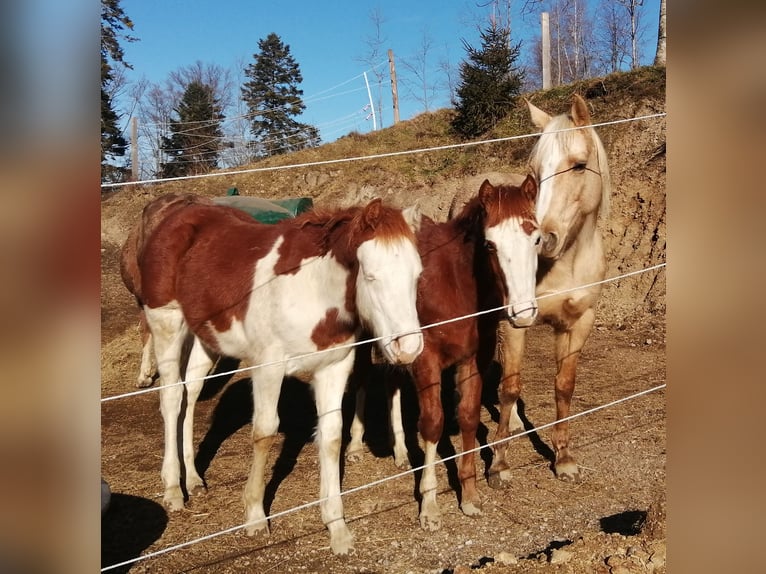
(485, 258)
(273, 295)
(573, 174)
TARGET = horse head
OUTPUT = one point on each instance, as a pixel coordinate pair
(386, 283)
(512, 238)
(572, 174)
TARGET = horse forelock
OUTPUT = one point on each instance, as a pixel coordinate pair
(559, 143)
(507, 203)
(388, 227)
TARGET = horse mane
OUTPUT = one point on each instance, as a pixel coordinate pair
(386, 224)
(470, 220)
(563, 140)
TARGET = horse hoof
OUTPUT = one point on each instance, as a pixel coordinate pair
(430, 523)
(471, 509)
(198, 490)
(342, 544)
(354, 456)
(258, 528)
(173, 503)
(145, 382)
(402, 464)
(568, 472)
(499, 479)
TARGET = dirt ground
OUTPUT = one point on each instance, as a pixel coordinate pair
(613, 521)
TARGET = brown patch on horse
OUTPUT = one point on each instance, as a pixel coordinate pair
(332, 330)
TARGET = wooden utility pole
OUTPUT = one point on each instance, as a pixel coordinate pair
(546, 38)
(134, 148)
(394, 93)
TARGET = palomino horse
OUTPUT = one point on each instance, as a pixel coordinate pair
(274, 295)
(485, 258)
(153, 213)
(573, 174)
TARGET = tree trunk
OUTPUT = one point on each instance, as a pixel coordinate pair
(659, 58)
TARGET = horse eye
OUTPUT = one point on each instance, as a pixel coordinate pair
(490, 246)
(579, 166)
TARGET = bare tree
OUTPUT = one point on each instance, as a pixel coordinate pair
(633, 8)
(419, 86)
(659, 58)
(612, 37)
(375, 57)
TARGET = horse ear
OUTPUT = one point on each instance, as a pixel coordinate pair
(486, 192)
(580, 113)
(413, 216)
(529, 188)
(538, 116)
(371, 212)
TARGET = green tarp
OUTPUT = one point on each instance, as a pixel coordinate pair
(266, 210)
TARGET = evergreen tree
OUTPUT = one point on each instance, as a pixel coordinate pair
(273, 99)
(489, 83)
(113, 144)
(195, 143)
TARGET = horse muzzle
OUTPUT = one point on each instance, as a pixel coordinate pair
(523, 314)
(405, 349)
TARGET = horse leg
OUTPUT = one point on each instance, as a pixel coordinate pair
(396, 428)
(469, 385)
(146, 371)
(329, 384)
(510, 352)
(198, 366)
(427, 377)
(267, 384)
(569, 343)
(360, 378)
(169, 332)
(355, 448)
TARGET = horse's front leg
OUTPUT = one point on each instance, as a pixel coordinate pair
(169, 332)
(427, 377)
(569, 343)
(267, 384)
(329, 384)
(468, 383)
(510, 349)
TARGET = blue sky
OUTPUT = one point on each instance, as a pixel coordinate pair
(328, 39)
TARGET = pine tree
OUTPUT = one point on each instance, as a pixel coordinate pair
(195, 142)
(489, 83)
(113, 144)
(273, 99)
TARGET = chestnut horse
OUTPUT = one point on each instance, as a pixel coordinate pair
(485, 258)
(274, 295)
(573, 174)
